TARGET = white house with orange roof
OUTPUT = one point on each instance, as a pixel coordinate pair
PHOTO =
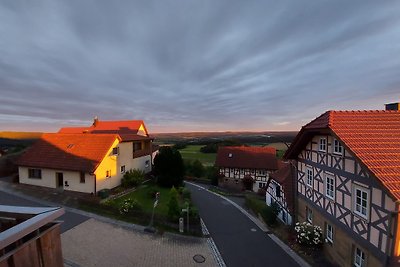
(87, 159)
(348, 183)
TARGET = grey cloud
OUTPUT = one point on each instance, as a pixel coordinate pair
(193, 65)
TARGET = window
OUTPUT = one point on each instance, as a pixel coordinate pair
(35, 173)
(309, 215)
(82, 177)
(337, 147)
(115, 151)
(108, 174)
(330, 187)
(359, 257)
(322, 144)
(329, 233)
(137, 146)
(278, 191)
(122, 168)
(361, 202)
(310, 177)
(147, 163)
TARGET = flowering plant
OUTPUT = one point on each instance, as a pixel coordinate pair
(128, 205)
(308, 234)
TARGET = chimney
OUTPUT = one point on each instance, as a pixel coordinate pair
(392, 106)
(95, 121)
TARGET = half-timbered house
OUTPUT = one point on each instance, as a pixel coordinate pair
(280, 190)
(348, 182)
(240, 163)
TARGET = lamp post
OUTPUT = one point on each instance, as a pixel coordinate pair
(150, 228)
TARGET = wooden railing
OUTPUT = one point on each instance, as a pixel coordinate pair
(31, 238)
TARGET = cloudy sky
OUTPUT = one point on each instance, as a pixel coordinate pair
(193, 65)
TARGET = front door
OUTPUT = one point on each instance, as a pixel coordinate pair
(59, 179)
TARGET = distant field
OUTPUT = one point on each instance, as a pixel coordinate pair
(192, 152)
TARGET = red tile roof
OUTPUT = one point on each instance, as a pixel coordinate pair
(73, 130)
(373, 137)
(284, 177)
(247, 157)
(120, 127)
(76, 152)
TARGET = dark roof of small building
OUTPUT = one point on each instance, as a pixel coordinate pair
(76, 152)
(373, 137)
(247, 157)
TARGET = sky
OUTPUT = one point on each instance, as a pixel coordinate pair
(190, 65)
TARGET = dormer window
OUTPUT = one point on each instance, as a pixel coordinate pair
(322, 144)
(337, 147)
(230, 155)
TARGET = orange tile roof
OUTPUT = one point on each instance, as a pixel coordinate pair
(373, 137)
(77, 152)
(73, 130)
(122, 127)
(247, 157)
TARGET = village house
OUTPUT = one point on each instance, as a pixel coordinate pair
(240, 163)
(348, 182)
(280, 190)
(87, 159)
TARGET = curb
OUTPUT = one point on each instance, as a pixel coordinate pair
(263, 228)
(217, 256)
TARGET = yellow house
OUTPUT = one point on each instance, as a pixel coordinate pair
(87, 159)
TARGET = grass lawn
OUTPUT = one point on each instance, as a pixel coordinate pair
(143, 195)
(192, 152)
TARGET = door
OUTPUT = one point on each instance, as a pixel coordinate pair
(59, 179)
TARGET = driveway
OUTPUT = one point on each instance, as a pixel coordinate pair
(70, 219)
(239, 240)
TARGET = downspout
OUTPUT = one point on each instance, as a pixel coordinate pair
(95, 182)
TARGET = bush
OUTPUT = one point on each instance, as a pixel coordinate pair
(213, 175)
(129, 205)
(270, 213)
(186, 194)
(132, 178)
(194, 168)
(308, 234)
(173, 206)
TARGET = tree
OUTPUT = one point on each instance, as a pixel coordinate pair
(173, 205)
(169, 168)
(197, 169)
(213, 175)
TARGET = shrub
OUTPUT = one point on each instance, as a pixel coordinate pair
(186, 194)
(270, 213)
(308, 234)
(132, 178)
(197, 169)
(129, 205)
(213, 175)
(173, 206)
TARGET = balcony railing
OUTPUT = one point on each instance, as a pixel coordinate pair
(141, 153)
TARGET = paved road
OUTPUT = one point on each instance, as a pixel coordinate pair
(239, 240)
(70, 219)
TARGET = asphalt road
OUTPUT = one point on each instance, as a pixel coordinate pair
(239, 240)
(70, 219)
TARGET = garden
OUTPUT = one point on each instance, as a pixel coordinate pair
(162, 197)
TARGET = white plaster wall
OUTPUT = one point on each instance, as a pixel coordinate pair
(49, 179)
